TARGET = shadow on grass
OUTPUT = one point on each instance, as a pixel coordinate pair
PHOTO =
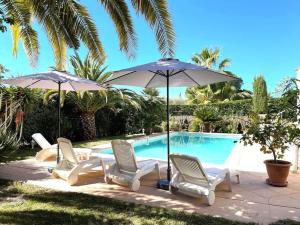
(51, 217)
(43, 206)
(16, 155)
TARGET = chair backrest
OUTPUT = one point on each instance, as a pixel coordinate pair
(67, 150)
(189, 168)
(41, 140)
(124, 155)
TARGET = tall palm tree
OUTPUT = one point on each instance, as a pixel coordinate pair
(224, 91)
(89, 102)
(67, 23)
(209, 57)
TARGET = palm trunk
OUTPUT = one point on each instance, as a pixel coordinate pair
(89, 125)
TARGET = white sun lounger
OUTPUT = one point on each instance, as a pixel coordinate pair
(126, 170)
(233, 162)
(70, 167)
(49, 152)
(192, 179)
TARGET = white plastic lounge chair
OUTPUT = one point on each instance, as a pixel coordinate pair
(49, 152)
(233, 161)
(193, 180)
(127, 171)
(70, 167)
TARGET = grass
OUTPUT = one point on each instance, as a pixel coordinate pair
(19, 154)
(27, 204)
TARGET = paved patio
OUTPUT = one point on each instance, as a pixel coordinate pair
(251, 200)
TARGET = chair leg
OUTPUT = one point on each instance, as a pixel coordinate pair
(157, 171)
(210, 198)
(238, 178)
(228, 180)
(135, 186)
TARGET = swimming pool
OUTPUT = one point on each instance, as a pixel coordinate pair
(210, 148)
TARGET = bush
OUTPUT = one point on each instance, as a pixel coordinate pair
(43, 119)
(207, 114)
(8, 141)
(195, 125)
(174, 125)
(260, 95)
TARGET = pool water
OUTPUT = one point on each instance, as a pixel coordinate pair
(209, 148)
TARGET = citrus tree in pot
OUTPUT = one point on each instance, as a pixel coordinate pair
(275, 135)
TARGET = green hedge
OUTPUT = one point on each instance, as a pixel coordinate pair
(233, 108)
(238, 107)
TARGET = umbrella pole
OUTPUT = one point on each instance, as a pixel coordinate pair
(164, 183)
(168, 130)
(58, 120)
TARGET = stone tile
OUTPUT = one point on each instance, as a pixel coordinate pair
(278, 212)
(287, 201)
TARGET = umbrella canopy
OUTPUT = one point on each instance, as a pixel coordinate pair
(55, 80)
(181, 74)
(51, 79)
(167, 73)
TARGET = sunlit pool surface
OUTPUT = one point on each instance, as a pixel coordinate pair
(209, 148)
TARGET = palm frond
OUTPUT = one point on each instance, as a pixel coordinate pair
(15, 33)
(224, 63)
(157, 15)
(120, 15)
(22, 18)
(78, 20)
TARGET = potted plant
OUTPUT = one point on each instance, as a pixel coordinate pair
(275, 135)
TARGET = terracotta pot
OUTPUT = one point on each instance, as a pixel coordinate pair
(278, 172)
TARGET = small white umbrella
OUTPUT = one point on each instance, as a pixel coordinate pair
(167, 73)
(55, 80)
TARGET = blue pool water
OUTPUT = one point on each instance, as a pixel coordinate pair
(209, 148)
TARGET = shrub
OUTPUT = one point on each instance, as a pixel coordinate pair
(260, 95)
(8, 141)
(174, 124)
(195, 125)
(207, 114)
(43, 119)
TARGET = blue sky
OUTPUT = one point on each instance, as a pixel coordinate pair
(260, 37)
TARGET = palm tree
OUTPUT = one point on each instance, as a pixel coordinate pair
(3, 70)
(224, 91)
(209, 57)
(153, 109)
(89, 102)
(68, 23)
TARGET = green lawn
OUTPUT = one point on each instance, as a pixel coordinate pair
(26, 204)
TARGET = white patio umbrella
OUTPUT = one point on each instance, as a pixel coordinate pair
(55, 80)
(167, 73)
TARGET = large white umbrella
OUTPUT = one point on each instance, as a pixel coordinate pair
(55, 80)
(167, 73)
